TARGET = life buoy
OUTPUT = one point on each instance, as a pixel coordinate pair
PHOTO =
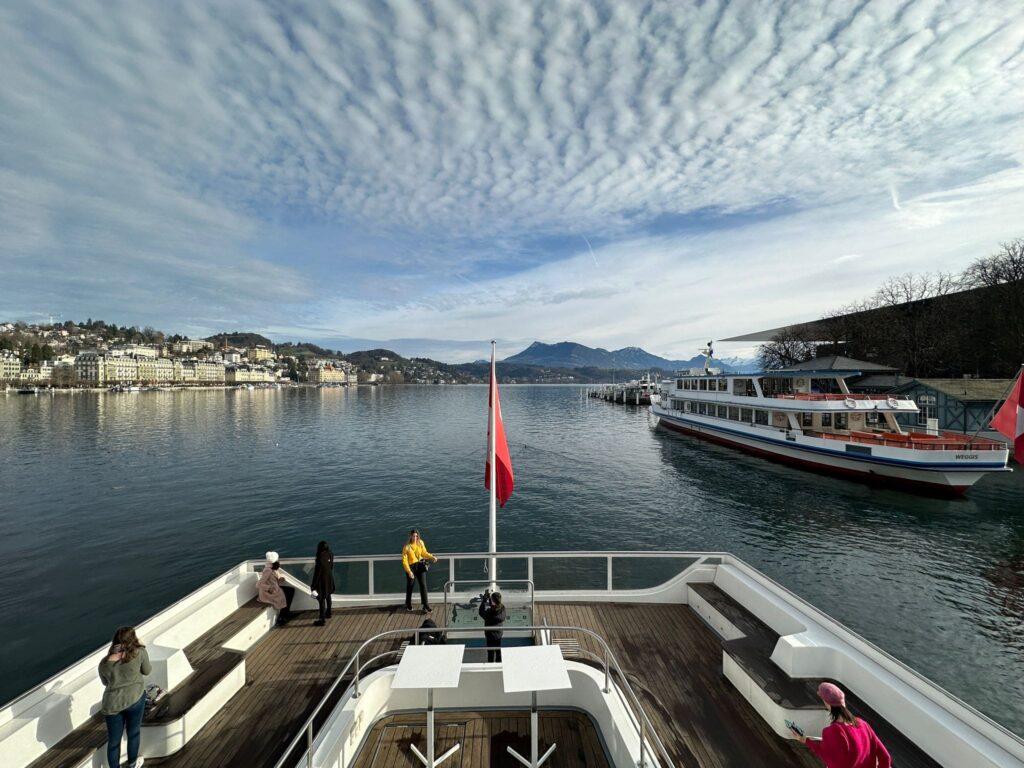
(799, 383)
(893, 402)
(850, 402)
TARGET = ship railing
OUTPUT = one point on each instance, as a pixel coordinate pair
(607, 660)
(947, 441)
(363, 579)
(832, 396)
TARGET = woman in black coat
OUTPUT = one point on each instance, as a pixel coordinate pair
(322, 586)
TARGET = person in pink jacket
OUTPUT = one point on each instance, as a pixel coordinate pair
(848, 742)
(271, 590)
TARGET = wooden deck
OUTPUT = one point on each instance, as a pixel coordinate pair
(484, 737)
(672, 659)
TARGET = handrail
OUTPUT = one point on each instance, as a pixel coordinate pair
(643, 724)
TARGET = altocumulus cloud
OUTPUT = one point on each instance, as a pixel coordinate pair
(368, 165)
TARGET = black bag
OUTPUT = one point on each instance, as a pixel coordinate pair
(431, 638)
(420, 566)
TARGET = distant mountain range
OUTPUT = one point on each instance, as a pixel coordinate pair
(568, 354)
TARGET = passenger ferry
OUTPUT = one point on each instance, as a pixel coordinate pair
(810, 418)
(626, 659)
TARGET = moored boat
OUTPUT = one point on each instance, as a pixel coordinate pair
(811, 419)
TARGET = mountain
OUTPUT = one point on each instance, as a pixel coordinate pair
(568, 354)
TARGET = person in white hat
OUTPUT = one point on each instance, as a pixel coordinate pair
(273, 592)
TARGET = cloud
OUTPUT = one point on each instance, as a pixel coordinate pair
(384, 162)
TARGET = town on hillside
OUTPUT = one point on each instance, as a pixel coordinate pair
(96, 355)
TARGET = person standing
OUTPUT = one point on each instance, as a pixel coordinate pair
(123, 672)
(272, 591)
(415, 559)
(492, 611)
(848, 742)
(322, 586)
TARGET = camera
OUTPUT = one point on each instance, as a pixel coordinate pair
(487, 596)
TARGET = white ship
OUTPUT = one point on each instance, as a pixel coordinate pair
(811, 419)
(631, 659)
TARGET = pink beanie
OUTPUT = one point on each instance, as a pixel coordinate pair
(832, 695)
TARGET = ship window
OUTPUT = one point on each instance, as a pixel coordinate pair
(744, 387)
(871, 417)
(807, 419)
(761, 417)
(746, 415)
(704, 384)
(702, 409)
(679, 383)
(723, 385)
(677, 405)
(734, 413)
(826, 419)
(841, 421)
(687, 405)
(722, 412)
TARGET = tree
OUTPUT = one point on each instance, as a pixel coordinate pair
(1002, 275)
(786, 348)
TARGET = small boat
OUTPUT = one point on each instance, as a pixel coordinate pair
(28, 390)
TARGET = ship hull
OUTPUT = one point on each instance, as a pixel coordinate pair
(943, 481)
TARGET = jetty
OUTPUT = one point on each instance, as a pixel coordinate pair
(636, 392)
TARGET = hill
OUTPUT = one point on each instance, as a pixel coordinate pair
(240, 339)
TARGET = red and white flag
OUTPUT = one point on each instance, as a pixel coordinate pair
(1009, 420)
(503, 462)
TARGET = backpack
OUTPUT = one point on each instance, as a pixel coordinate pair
(431, 638)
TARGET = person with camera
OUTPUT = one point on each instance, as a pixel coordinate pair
(322, 586)
(416, 560)
(492, 611)
(123, 673)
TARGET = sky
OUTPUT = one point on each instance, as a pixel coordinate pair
(432, 175)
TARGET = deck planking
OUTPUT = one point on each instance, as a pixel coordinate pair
(483, 737)
(672, 660)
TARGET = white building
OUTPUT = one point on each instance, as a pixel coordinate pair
(10, 366)
(190, 346)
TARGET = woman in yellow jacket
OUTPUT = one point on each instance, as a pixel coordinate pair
(414, 559)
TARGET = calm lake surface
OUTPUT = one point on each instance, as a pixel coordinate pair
(114, 506)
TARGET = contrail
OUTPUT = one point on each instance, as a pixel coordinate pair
(895, 198)
(590, 248)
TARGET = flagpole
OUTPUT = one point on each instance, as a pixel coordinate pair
(991, 413)
(492, 539)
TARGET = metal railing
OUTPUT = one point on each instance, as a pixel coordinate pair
(640, 721)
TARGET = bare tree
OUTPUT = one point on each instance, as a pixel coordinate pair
(787, 348)
(1002, 308)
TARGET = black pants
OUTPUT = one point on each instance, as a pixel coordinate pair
(324, 601)
(493, 641)
(289, 595)
(420, 575)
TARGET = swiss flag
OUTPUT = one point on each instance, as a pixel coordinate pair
(1010, 419)
(503, 470)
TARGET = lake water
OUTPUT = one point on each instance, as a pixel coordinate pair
(113, 506)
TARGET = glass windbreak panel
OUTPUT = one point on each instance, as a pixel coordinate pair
(746, 415)
(761, 417)
(465, 598)
(557, 573)
(647, 572)
(351, 578)
(703, 384)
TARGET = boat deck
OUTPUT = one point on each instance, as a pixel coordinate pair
(673, 660)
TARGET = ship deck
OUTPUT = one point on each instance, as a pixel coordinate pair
(672, 659)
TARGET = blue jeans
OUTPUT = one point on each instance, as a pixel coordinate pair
(131, 719)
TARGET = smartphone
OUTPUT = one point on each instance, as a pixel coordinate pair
(794, 728)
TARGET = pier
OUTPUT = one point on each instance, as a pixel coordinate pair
(636, 392)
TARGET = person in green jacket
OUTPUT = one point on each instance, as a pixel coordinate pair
(123, 672)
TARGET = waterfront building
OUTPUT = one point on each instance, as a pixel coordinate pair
(156, 370)
(327, 374)
(248, 374)
(120, 370)
(231, 356)
(10, 366)
(90, 368)
(202, 372)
